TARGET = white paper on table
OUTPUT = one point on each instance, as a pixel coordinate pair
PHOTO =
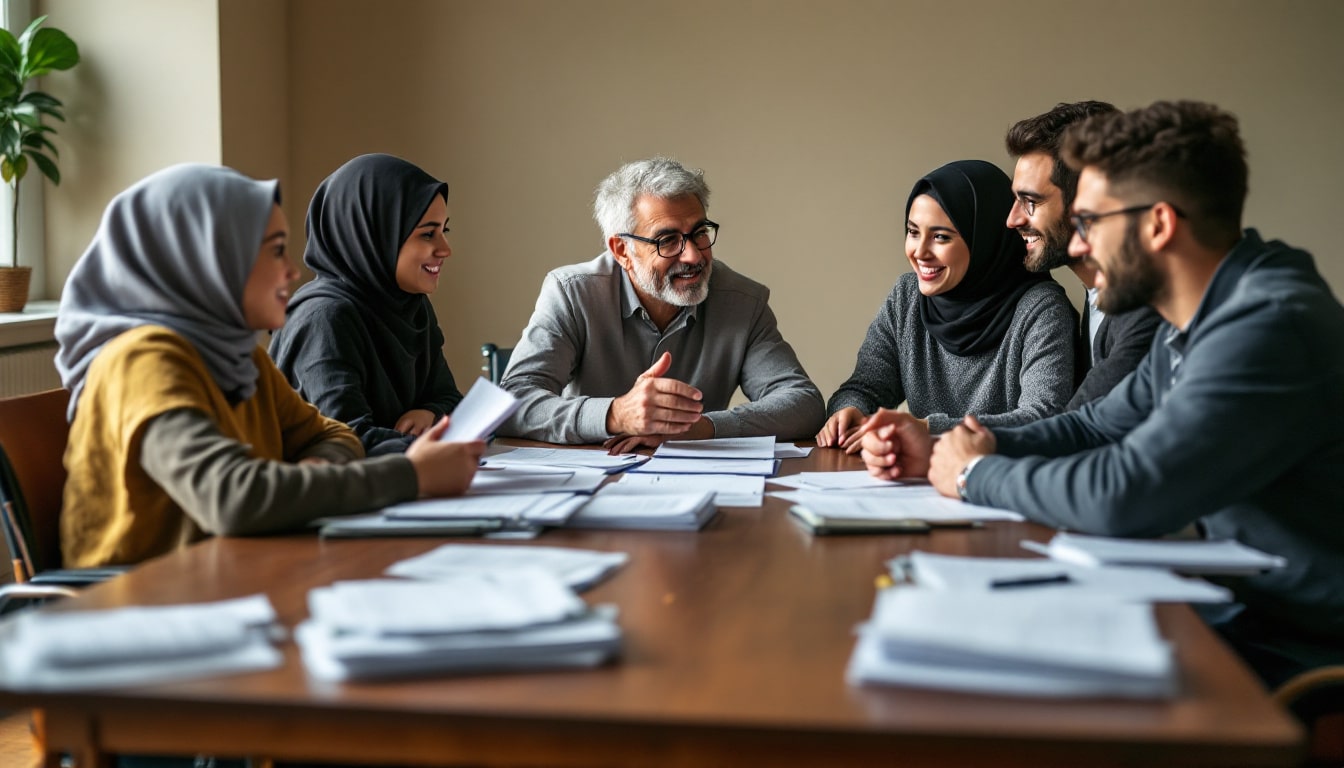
(507, 507)
(955, 573)
(657, 511)
(464, 602)
(1225, 557)
(1034, 631)
(791, 451)
(728, 490)
(560, 457)
(674, 466)
(138, 645)
(841, 481)
(901, 503)
(536, 480)
(480, 413)
(718, 448)
(578, 568)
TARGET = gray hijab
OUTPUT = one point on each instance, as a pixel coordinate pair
(175, 250)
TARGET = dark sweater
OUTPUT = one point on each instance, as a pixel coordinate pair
(327, 351)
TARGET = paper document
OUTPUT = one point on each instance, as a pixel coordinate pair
(553, 508)
(1225, 557)
(676, 466)
(560, 457)
(728, 490)
(1040, 643)
(652, 512)
(791, 451)
(136, 646)
(480, 413)
(955, 573)
(913, 502)
(376, 525)
(536, 480)
(467, 602)
(852, 480)
(578, 568)
(718, 448)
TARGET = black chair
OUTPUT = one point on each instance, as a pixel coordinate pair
(496, 361)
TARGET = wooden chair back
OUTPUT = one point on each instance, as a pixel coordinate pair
(34, 432)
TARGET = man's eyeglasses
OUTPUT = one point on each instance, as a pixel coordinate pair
(671, 245)
(1082, 222)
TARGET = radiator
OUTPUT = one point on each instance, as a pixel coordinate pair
(24, 370)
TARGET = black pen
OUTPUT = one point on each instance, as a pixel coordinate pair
(1030, 581)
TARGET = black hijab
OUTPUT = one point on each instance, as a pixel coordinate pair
(357, 222)
(974, 316)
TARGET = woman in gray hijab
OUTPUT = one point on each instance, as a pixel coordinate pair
(181, 426)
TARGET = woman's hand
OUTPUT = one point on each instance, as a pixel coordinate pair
(444, 469)
(842, 430)
(415, 422)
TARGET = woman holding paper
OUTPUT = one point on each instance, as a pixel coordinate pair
(969, 330)
(362, 342)
(181, 426)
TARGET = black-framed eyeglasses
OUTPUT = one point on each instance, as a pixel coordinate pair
(671, 244)
(1083, 221)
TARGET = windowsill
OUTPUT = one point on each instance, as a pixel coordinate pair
(36, 324)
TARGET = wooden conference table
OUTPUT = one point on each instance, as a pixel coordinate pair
(736, 641)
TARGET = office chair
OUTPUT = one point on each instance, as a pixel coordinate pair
(496, 361)
(1316, 699)
(33, 434)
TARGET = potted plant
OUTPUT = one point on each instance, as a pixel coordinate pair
(24, 139)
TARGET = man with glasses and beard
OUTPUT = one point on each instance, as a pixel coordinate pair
(649, 340)
(1234, 421)
(1109, 345)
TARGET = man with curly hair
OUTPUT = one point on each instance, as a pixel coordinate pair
(1234, 422)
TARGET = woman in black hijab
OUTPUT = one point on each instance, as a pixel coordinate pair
(362, 342)
(969, 330)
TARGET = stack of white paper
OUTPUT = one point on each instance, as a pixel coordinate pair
(1225, 557)
(510, 509)
(136, 646)
(646, 512)
(578, 568)
(522, 619)
(857, 479)
(1040, 644)
(911, 502)
(718, 448)
(1022, 577)
(567, 458)
(536, 479)
(728, 490)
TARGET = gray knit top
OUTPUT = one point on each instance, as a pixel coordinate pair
(1029, 376)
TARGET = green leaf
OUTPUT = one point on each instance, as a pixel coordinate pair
(40, 99)
(38, 141)
(49, 49)
(6, 170)
(31, 119)
(9, 137)
(27, 34)
(20, 168)
(11, 56)
(46, 165)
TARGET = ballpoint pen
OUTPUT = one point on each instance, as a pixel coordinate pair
(1030, 581)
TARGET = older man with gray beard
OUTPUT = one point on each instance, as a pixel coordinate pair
(650, 340)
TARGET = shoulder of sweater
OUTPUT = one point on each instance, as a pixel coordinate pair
(726, 280)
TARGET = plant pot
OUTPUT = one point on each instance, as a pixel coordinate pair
(14, 288)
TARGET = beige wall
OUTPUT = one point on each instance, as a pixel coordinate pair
(145, 95)
(812, 119)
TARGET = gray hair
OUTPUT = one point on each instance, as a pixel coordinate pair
(614, 206)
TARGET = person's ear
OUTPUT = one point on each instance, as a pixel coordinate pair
(1162, 227)
(620, 250)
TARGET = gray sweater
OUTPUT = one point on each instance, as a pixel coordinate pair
(1028, 377)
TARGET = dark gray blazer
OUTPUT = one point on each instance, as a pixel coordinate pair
(1121, 343)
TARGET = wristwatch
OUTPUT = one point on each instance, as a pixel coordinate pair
(964, 475)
